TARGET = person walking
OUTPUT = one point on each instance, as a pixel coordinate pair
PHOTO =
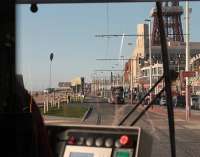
(69, 98)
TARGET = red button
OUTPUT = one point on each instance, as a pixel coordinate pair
(71, 140)
(123, 139)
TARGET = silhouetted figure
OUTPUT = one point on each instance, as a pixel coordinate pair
(40, 133)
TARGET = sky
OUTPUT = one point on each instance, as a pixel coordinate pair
(69, 30)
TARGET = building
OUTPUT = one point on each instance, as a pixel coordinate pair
(64, 84)
(195, 81)
(76, 84)
(140, 59)
(132, 67)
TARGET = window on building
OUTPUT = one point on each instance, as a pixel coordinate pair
(160, 71)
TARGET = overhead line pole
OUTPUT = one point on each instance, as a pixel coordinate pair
(123, 72)
(187, 68)
(150, 59)
(164, 53)
(131, 80)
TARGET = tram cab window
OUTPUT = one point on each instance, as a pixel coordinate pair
(70, 57)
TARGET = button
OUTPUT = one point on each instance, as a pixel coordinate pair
(108, 142)
(118, 144)
(122, 154)
(89, 141)
(99, 142)
(80, 141)
(124, 139)
(71, 140)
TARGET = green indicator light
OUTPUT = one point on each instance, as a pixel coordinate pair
(122, 154)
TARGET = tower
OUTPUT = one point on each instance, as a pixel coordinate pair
(172, 22)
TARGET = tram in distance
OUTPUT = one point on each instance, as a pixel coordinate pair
(117, 95)
(81, 140)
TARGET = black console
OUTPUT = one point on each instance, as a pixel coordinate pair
(99, 141)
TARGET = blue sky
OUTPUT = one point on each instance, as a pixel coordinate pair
(69, 32)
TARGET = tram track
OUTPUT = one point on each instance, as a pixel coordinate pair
(94, 113)
(99, 117)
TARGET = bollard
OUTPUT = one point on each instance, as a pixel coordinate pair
(44, 107)
(47, 106)
(58, 104)
(51, 103)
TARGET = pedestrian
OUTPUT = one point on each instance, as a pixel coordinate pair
(68, 97)
(175, 101)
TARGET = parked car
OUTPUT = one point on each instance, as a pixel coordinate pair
(117, 95)
(195, 102)
(163, 101)
(180, 101)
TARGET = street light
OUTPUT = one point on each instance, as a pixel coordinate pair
(150, 58)
(187, 92)
(95, 84)
(50, 88)
(123, 71)
(131, 80)
(51, 58)
(102, 83)
(179, 81)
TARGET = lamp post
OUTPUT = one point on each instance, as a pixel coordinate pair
(179, 81)
(50, 88)
(95, 85)
(51, 59)
(123, 71)
(112, 77)
(187, 92)
(150, 58)
(102, 83)
(131, 74)
(116, 77)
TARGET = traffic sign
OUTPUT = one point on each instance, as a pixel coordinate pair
(188, 74)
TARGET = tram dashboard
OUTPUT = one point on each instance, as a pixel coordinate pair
(99, 141)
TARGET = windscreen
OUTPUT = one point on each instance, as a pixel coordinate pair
(72, 58)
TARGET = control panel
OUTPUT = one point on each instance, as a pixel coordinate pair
(98, 141)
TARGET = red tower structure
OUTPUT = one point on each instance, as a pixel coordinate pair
(172, 21)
